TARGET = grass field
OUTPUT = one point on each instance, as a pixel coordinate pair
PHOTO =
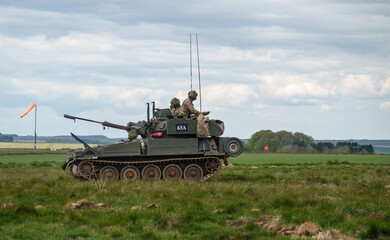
(292, 159)
(348, 194)
(27, 159)
(54, 146)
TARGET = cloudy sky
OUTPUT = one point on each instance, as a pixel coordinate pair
(317, 67)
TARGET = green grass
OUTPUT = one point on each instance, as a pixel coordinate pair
(270, 158)
(322, 192)
(22, 159)
(243, 159)
(53, 146)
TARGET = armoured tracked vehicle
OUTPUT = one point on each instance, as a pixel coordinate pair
(163, 147)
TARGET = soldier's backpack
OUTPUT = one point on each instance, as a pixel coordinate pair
(202, 126)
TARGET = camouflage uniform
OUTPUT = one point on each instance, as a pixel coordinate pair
(188, 107)
(175, 112)
(133, 134)
(175, 107)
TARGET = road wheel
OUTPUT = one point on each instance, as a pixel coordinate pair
(233, 147)
(172, 172)
(73, 170)
(151, 172)
(86, 169)
(193, 172)
(130, 173)
(213, 165)
(109, 173)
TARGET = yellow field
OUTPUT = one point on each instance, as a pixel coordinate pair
(52, 146)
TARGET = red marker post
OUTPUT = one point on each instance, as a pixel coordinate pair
(266, 148)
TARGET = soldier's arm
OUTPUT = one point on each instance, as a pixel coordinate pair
(176, 112)
(190, 107)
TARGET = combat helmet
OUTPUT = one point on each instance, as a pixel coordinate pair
(175, 103)
(192, 94)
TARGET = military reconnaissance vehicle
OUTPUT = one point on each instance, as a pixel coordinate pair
(164, 146)
(161, 147)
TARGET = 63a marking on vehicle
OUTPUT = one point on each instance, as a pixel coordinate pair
(182, 127)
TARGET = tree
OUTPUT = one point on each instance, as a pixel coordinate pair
(324, 147)
(284, 141)
(278, 141)
(302, 140)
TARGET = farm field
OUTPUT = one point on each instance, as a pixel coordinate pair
(23, 148)
(292, 159)
(53, 146)
(346, 195)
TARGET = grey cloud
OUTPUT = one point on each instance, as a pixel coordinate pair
(122, 46)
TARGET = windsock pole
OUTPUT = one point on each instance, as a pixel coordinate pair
(32, 105)
(35, 130)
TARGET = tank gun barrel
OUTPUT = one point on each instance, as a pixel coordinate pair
(105, 123)
(84, 119)
(108, 124)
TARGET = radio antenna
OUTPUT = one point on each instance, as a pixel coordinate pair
(191, 60)
(200, 87)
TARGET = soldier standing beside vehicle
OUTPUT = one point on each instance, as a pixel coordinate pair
(187, 107)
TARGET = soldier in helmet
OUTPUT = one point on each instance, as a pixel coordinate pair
(175, 107)
(133, 134)
(187, 107)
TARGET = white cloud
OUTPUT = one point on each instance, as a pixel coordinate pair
(385, 88)
(294, 88)
(364, 86)
(89, 49)
(106, 94)
(301, 89)
(358, 85)
(88, 57)
(228, 94)
(385, 106)
(260, 106)
(326, 107)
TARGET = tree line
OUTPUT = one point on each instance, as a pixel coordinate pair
(5, 138)
(288, 142)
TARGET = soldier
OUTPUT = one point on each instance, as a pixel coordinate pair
(188, 107)
(133, 134)
(175, 107)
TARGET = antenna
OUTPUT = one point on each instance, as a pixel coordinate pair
(147, 112)
(200, 87)
(191, 60)
(154, 109)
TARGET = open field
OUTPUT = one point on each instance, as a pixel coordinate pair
(27, 159)
(351, 199)
(53, 146)
(382, 149)
(286, 159)
(243, 159)
(13, 147)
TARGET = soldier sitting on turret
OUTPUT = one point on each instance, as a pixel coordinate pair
(188, 107)
(175, 107)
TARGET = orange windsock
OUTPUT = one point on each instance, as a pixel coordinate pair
(32, 105)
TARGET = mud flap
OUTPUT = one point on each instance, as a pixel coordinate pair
(64, 166)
